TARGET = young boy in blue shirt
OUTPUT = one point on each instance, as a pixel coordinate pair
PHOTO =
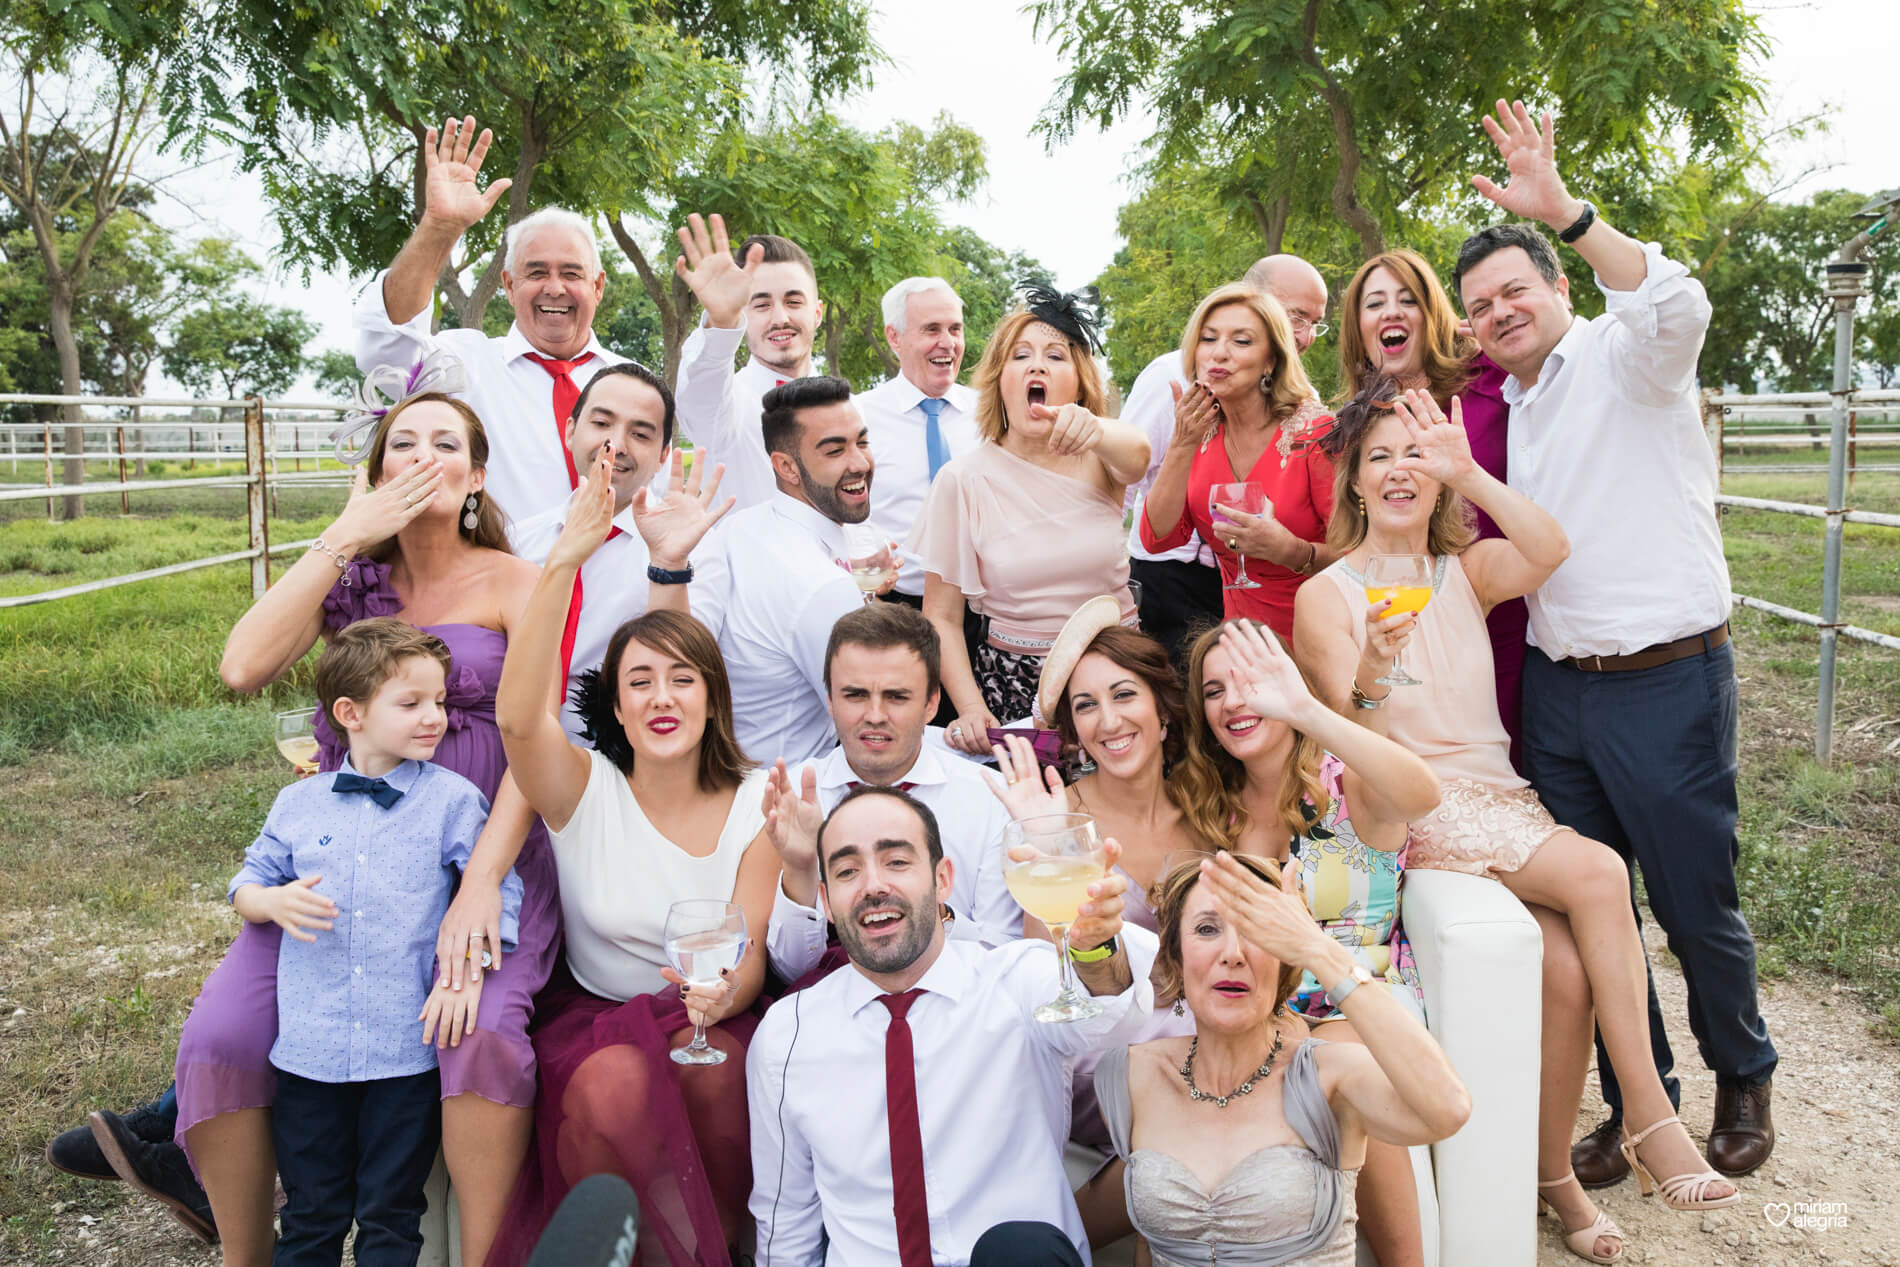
(358, 867)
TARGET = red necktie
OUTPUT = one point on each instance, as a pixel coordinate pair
(565, 394)
(907, 1137)
(574, 622)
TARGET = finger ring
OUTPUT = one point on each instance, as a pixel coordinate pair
(956, 732)
(1012, 779)
(1232, 542)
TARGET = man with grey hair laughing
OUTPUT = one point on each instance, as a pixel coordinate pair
(523, 384)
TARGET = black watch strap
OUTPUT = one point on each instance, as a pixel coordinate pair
(1582, 225)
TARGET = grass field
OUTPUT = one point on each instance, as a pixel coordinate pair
(131, 780)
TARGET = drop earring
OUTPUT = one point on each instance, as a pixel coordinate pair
(469, 519)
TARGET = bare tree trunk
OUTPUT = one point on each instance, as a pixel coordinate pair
(834, 341)
(673, 297)
(60, 319)
(1271, 221)
(873, 333)
(1345, 197)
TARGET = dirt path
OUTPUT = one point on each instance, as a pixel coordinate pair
(1837, 1151)
(1835, 1098)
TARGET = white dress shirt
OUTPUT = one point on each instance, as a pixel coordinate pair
(970, 822)
(1610, 442)
(893, 413)
(992, 1105)
(1150, 406)
(513, 396)
(720, 407)
(779, 588)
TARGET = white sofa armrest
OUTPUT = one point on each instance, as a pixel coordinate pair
(1480, 956)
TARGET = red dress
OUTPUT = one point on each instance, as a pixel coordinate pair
(1299, 482)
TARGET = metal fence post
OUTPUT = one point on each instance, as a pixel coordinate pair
(1846, 283)
(255, 502)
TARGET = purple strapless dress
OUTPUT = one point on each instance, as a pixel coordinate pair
(224, 1050)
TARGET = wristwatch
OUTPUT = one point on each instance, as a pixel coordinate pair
(1582, 225)
(1104, 951)
(1359, 976)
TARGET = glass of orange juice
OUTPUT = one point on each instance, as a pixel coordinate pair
(296, 740)
(1406, 579)
(1049, 861)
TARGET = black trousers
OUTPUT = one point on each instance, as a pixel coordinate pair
(1646, 762)
(1024, 1244)
(355, 1151)
(1178, 601)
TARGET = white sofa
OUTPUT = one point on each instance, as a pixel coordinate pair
(1481, 958)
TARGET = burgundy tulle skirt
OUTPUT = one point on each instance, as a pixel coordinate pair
(612, 1101)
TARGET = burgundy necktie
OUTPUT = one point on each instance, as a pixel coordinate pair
(573, 626)
(855, 784)
(909, 1201)
(565, 396)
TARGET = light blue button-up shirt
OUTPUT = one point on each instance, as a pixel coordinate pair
(347, 1003)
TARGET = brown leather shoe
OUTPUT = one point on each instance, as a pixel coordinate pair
(1744, 1131)
(1598, 1158)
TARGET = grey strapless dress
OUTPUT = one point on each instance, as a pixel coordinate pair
(1287, 1204)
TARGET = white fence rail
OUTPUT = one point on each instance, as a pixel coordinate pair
(258, 448)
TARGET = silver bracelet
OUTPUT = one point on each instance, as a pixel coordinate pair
(337, 557)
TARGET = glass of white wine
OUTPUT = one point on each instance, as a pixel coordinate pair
(868, 555)
(704, 939)
(1049, 861)
(296, 740)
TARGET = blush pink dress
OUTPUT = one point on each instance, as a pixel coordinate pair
(1488, 820)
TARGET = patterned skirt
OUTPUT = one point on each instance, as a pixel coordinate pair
(1008, 681)
(1479, 830)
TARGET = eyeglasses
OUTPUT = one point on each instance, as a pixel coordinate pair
(1301, 325)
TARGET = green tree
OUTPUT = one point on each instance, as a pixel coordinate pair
(1366, 111)
(330, 105)
(988, 279)
(336, 373)
(1773, 326)
(84, 111)
(239, 343)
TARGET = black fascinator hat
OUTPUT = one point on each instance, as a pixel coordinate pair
(1075, 314)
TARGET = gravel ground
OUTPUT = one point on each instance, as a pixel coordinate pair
(1838, 1150)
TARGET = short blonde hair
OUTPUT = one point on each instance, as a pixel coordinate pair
(992, 423)
(1287, 387)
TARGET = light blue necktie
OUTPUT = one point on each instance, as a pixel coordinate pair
(933, 433)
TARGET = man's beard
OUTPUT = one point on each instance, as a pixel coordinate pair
(898, 955)
(824, 498)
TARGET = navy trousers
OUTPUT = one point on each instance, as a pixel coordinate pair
(355, 1152)
(1024, 1244)
(1645, 762)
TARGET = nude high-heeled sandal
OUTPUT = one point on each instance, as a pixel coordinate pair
(1583, 1241)
(1686, 1191)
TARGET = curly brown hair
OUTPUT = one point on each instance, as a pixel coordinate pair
(1211, 780)
(1170, 901)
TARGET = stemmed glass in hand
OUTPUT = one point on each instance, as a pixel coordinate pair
(1049, 861)
(704, 939)
(869, 556)
(1248, 498)
(1406, 579)
(296, 739)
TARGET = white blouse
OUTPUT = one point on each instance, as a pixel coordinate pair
(619, 875)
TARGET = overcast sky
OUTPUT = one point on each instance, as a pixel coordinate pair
(1060, 206)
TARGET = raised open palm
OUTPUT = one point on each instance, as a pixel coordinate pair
(722, 286)
(451, 164)
(674, 525)
(1534, 191)
(1441, 449)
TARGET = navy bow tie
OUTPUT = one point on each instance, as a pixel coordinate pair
(379, 790)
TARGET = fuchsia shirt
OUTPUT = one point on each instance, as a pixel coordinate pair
(1487, 426)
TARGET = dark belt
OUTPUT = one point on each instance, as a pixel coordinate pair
(1651, 657)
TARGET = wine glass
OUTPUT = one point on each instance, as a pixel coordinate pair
(1406, 579)
(868, 555)
(1249, 498)
(296, 739)
(1049, 861)
(704, 938)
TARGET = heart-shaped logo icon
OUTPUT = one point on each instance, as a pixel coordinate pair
(1776, 1212)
